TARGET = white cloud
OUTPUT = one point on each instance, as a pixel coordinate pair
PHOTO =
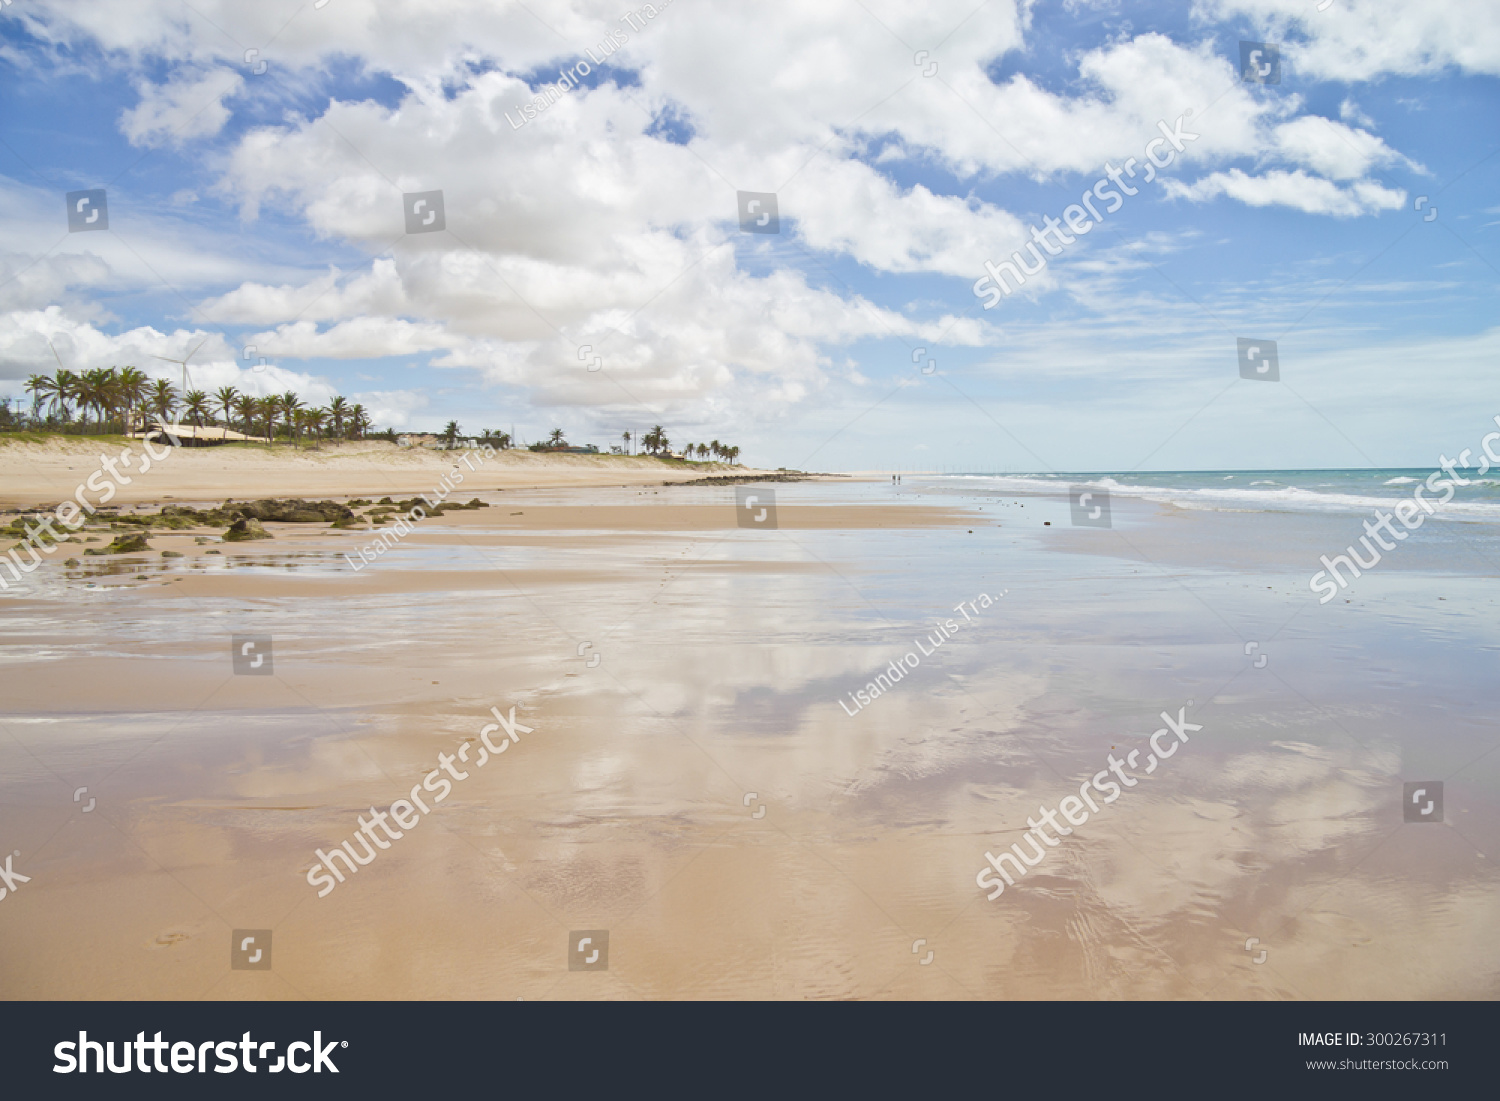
(1350, 112)
(580, 229)
(25, 336)
(1331, 148)
(392, 408)
(377, 290)
(1366, 39)
(1298, 190)
(836, 203)
(183, 109)
(356, 338)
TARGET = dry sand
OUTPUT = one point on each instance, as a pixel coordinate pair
(44, 473)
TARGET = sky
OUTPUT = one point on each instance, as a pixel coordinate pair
(1339, 196)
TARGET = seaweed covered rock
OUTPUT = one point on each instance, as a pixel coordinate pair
(245, 529)
(454, 506)
(123, 544)
(294, 511)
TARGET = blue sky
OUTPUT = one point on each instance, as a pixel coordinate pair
(905, 148)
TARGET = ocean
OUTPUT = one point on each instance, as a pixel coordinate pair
(1333, 491)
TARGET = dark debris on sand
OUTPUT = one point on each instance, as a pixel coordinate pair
(747, 479)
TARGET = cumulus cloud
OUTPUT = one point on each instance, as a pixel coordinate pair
(1365, 39)
(1298, 190)
(37, 341)
(183, 109)
(377, 290)
(392, 408)
(1330, 148)
(590, 227)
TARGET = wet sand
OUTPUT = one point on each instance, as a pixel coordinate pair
(699, 791)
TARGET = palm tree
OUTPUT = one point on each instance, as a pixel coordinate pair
(450, 433)
(40, 387)
(626, 437)
(163, 399)
(247, 407)
(64, 390)
(225, 397)
(115, 400)
(269, 408)
(195, 405)
(133, 396)
(86, 393)
(100, 390)
(290, 403)
(359, 422)
(734, 456)
(338, 409)
(557, 439)
(656, 440)
(314, 419)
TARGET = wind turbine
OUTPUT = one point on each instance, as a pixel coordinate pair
(184, 362)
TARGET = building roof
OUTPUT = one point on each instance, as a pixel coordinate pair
(198, 432)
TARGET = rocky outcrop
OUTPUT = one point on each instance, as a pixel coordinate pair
(294, 511)
(244, 530)
(441, 507)
(123, 544)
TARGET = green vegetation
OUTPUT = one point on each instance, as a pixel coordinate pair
(111, 401)
(655, 442)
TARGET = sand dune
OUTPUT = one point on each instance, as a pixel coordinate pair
(41, 473)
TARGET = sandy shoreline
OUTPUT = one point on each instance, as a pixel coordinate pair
(691, 782)
(33, 474)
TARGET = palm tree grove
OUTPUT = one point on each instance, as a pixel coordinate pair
(124, 400)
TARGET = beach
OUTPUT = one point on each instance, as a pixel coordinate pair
(35, 473)
(690, 779)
